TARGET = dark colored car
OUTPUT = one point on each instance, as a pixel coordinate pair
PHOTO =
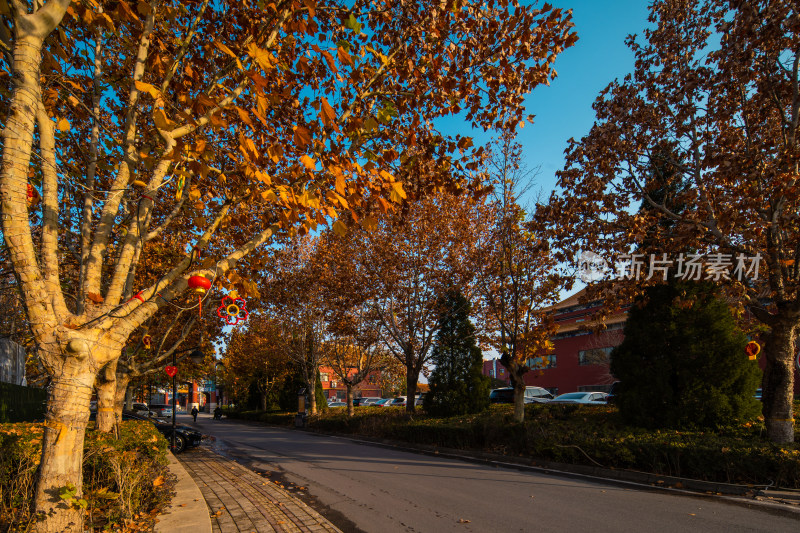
(185, 436)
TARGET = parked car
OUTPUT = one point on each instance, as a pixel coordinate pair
(419, 398)
(594, 398)
(141, 409)
(365, 400)
(185, 436)
(381, 402)
(400, 401)
(161, 410)
(336, 404)
(532, 395)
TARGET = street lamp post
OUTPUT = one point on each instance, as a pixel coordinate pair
(197, 357)
(217, 364)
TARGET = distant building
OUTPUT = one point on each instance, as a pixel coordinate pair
(494, 369)
(333, 387)
(580, 358)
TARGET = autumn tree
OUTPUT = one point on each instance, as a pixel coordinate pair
(220, 123)
(293, 294)
(718, 82)
(518, 277)
(153, 344)
(254, 360)
(407, 260)
(351, 346)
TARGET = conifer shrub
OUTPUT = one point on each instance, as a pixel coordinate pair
(682, 363)
(457, 383)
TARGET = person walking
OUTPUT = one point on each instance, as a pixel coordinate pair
(194, 413)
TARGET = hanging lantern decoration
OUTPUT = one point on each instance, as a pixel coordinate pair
(232, 310)
(199, 284)
(171, 370)
(146, 341)
(752, 349)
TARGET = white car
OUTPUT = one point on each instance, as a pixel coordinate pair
(592, 398)
(532, 395)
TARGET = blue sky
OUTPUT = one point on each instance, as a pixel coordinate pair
(564, 109)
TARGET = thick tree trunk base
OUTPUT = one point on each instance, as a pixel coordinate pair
(62, 449)
(778, 382)
(780, 431)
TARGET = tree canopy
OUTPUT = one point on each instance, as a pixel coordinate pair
(713, 97)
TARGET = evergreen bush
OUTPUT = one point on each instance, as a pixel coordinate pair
(682, 362)
(457, 384)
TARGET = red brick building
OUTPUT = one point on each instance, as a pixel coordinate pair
(580, 356)
(579, 361)
(333, 387)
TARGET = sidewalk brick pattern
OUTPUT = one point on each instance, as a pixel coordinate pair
(242, 501)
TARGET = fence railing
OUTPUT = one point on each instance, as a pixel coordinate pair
(21, 404)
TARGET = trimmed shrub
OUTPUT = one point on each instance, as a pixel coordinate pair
(590, 436)
(124, 479)
(277, 418)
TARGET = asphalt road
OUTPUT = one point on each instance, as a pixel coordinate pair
(383, 490)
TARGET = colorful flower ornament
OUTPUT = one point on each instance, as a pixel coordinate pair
(233, 310)
(752, 350)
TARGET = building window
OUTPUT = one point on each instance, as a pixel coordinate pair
(594, 356)
(323, 376)
(540, 363)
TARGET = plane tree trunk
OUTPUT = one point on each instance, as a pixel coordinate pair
(106, 387)
(778, 383)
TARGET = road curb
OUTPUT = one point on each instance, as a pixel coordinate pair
(187, 512)
(741, 495)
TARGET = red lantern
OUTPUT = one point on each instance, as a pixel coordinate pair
(171, 370)
(199, 284)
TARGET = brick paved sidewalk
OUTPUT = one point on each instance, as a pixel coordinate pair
(242, 501)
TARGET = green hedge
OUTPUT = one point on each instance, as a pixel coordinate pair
(591, 436)
(21, 404)
(125, 480)
(277, 418)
